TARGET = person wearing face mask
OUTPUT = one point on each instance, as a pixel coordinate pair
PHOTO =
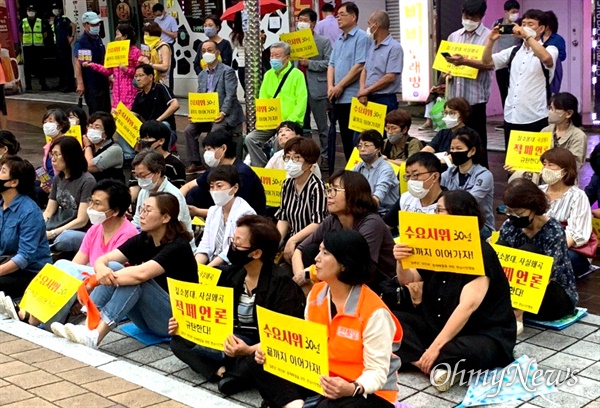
(77, 116)
(103, 155)
(256, 281)
(286, 83)
(533, 65)
(169, 29)
(469, 175)
(54, 124)
(475, 91)
(286, 131)
(91, 84)
(569, 205)
(33, 32)
(220, 149)
(64, 34)
(399, 146)
(160, 54)
(212, 27)
(511, 16)
(220, 78)
(380, 174)
(303, 202)
(551, 37)
(529, 228)
(222, 217)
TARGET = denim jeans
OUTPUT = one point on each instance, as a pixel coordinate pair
(128, 151)
(68, 241)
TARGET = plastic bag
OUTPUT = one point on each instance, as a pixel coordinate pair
(437, 113)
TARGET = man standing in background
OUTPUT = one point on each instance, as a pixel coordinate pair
(511, 15)
(328, 26)
(168, 26)
(64, 35)
(33, 32)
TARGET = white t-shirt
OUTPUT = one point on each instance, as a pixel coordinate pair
(412, 204)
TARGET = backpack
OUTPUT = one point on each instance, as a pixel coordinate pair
(545, 70)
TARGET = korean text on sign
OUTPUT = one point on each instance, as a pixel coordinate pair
(399, 171)
(204, 313)
(208, 275)
(414, 38)
(203, 107)
(128, 126)
(367, 117)
(272, 180)
(528, 275)
(268, 113)
(48, 292)
(302, 43)
(443, 243)
(295, 349)
(525, 148)
(74, 131)
(468, 51)
(117, 52)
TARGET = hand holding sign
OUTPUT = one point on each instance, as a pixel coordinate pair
(451, 57)
(525, 148)
(302, 43)
(117, 52)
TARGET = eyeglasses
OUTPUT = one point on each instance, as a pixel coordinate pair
(295, 159)
(144, 176)
(440, 210)
(146, 210)
(342, 15)
(414, 176)
(235, 247)
(55, 155)
(364, 145)
(450, 112)
(332, 191)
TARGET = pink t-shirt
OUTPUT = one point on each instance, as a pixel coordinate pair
(93, 242)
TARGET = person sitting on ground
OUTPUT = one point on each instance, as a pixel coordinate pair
(212, 27)
(256, 281)
(380, 174)
(77, 117)
(363, 371)
(530, 229)
(220, 149)
(303, 202)
(592, 190)
(463, 321)
(104, 157)
(224, 181)
(351, 206)
(399, 146)
(568, 205)
(66, 213)
(284, 132)
(55, 124)
(9, 145)
(467, 174)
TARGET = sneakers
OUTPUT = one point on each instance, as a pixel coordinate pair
(519, 328)
(82, 335)
(58, 329)
(442, 379)
(9, 308)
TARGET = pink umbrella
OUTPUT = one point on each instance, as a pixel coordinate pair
(266, 7)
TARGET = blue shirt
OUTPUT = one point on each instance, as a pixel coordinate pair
(348, 50)
(384, 183)
(91, 78)
(559, 42)
(384, 58)
(62, 30)
(167, 23)
(23, 234)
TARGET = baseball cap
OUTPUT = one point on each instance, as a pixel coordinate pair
(90, 17)
(30, 7)
(56, 6)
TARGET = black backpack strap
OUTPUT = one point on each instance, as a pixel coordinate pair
(282, 82)
(514, 51)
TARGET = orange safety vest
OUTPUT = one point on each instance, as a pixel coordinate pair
(346, 329)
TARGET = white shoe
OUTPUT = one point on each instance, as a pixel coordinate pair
(520, 328)
(58, 329)
(442, 379)
(82, 335)
(9, 308)
(2, 308)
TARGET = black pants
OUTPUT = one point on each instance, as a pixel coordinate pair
(332, 141)
(527, 127)
(502, 78)
(172, 67)
(32, 59)
(555, 304)
(14, 284)
(97, 98)
(478, 122)
(65, 60)
(342, 114)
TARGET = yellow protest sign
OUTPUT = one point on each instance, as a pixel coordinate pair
(355, 159)
(525, 148)
(443, 243)
(207, 275)
(204, 313)
(401, 174)
(268, 113)
(367, 117)
(272, 180)
(74, 131)
(198, 221)
(494, 237)
(596, 227)
(48, 292)
(203, 107)
(468, 51)
(528, 274)
(128, 125)
(117, 52)
(295, 349)
(302, 43)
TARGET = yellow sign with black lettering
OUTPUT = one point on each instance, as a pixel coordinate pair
(207, 275)
(128, 125)
(117, 52)
(526, 148)
(74, 131)
(203, 107)
(48, 292)
(268, 113)
(272, 180)
(399, 171)
(443, 243)
(302, 43)
(468, 51)
(371, 116)
(295, 349)
(204, 313)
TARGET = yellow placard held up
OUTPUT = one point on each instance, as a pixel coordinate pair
(355, 159)
(494, 237)
(295, 349)
(596, 227)
(207, 275)
(272, 180)
(48, 292)
(203, 107)
(443, 243)
(526, 148)
(204, 313)
(198, 221)
(268, 113)
(528, 274)
(302, 43)
(128, 126)
(117, 52)
(367, 117)
(468, 51)
(74, 131)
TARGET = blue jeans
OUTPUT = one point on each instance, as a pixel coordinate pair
(68, 241)
(128, 151)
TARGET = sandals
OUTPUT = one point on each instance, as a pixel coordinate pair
(12, 310)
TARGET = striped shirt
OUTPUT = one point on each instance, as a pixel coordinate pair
(246, 308)
(301, 210)
(473, 90)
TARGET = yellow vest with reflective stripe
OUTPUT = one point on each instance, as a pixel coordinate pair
(35, 36)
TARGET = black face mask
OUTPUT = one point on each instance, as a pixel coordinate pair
(3, 186)
(459, 158)
(520, 222)
(146, 144)
(239, 257)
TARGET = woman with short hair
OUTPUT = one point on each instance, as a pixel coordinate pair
(9, 145)
(104, 157)
(456, 113)
(399, 145)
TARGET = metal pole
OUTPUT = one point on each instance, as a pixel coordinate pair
(253, 51)
(291, 18)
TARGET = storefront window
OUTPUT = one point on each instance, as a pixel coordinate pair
(196, 10)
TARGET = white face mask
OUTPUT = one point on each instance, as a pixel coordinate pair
(552, 176)
(222, 197)
(513, 17)
(146, 183)
(73, 122)
(31, 14)
(292, 169)
(210, 159)
(530, 32)
(450, 121)
(209, 57)
(302, 25)
(50, 129)
(96, 217)
(94, 135)
(56, 12)
(416, 189)
(470, 25)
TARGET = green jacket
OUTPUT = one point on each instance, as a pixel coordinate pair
(293, 94)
